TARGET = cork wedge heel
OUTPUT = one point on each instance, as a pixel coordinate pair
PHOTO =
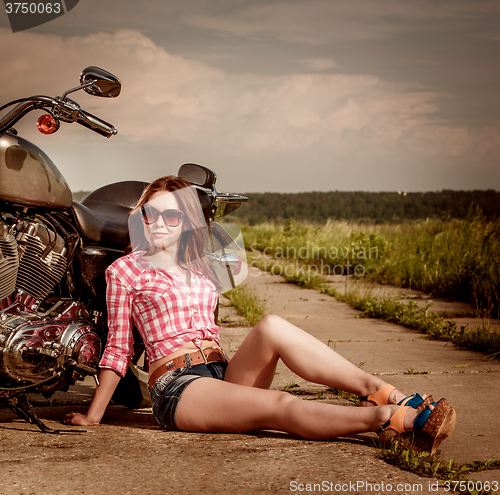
(433, 424)
(436, 428)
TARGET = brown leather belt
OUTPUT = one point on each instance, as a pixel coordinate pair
(203, 356)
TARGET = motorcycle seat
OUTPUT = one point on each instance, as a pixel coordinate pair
(102, 217)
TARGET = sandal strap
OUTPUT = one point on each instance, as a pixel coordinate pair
(417, 401)
(380, 397)
(396, 421)
(413, 400)
(423, 416)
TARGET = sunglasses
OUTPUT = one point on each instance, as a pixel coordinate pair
(171, 218)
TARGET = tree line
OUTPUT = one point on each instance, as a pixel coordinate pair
(378, 207)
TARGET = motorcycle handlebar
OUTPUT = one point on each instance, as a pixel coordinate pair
(72, 113)
(23, 107)
(96, 124)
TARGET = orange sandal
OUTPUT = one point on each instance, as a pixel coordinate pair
(396, 424)
(381, 398)
(433, 424)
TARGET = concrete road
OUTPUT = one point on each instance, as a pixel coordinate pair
(129, 453)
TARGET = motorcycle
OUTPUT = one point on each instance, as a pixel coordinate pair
(54, 252)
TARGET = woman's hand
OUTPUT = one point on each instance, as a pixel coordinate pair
(78, 419)
(104, 391)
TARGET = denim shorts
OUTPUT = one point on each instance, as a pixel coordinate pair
(168, 389)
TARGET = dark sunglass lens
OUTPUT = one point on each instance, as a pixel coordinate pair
(172, 217)
(150, 215)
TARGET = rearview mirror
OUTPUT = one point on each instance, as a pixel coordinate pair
(101, 82)
(197, 175)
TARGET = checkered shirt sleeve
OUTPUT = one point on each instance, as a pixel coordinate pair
(119, 347)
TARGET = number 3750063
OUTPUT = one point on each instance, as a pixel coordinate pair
(471, 486)
(33, 8)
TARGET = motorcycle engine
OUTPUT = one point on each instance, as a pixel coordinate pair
(42, 263)
(9, 262)
(32, 262)
(34, 345)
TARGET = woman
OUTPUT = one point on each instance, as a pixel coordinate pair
(167, 288)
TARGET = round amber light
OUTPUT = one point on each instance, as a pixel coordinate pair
(47, 124)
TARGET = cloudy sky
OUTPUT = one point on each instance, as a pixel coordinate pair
(274, 95)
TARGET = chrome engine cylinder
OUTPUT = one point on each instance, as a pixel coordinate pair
(9, 262)
(42, 263)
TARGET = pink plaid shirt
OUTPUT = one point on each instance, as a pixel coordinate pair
(166, 311)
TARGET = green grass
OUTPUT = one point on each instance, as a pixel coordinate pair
(432, 466)
(411, 371)
(289, 386)
(342, 394)
(434, 326)
(455, 259)
(247, 303)
(422, 319)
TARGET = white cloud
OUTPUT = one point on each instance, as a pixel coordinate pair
(171, 99)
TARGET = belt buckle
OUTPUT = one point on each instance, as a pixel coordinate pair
(224, 354)
(219, 351)
(204, 355)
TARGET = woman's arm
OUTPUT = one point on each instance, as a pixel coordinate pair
(108, 381)
(117, 354)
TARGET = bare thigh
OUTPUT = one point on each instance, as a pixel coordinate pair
(274, 338)
(254, 363)
(210, 405)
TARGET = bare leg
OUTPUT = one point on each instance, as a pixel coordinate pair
(209, 405)
(273, 338)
